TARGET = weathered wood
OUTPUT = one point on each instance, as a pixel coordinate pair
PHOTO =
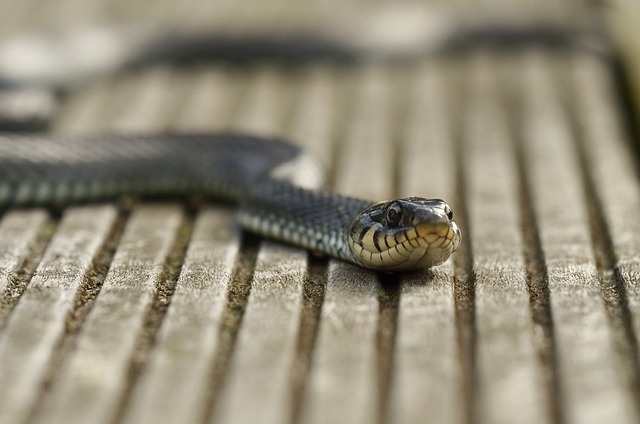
(115, 339)
(173, 386)
(585, 363)
(39, 326)
(22, 239)
(258, 382)
(507, 387)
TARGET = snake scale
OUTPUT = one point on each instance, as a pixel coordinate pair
(276, 186)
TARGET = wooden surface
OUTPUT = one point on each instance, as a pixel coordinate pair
(166, 312)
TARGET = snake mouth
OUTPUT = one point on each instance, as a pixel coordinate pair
(428, 245)
(422, 246)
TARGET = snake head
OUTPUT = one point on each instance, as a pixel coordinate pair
(406, 234)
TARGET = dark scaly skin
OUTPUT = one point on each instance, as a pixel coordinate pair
(316, 220)
(44, 170)
(40, 170)
(259, 174)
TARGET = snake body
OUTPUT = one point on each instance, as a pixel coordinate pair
(274, 184)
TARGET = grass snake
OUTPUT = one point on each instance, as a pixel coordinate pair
(276, 185)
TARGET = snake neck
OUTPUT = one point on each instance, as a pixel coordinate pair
(316, 220)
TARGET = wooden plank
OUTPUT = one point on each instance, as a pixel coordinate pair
(426, 379)
(37, 327)
(507, 388)
(585, 353)
(258, 383)
(93, 381)
(342, 386)
(23, 236)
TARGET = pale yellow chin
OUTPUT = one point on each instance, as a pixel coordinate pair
(423, 247)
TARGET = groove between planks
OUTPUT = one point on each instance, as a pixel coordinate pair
(239, 288)
(156, 311)
(464, 282)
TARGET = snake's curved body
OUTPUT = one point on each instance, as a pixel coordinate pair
(275, 185)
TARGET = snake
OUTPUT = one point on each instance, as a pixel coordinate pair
(275, 185)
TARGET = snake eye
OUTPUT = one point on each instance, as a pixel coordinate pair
(449, 212)
(394, 215)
